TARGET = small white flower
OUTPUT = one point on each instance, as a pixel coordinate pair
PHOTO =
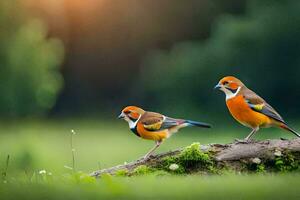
(50, 174)
(277, 153)
(73, 132)
(256, 160)
(125, 163)
(42, 172)
(173, 167)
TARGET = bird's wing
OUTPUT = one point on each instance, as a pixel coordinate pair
(258, 104)
(171, 122)
(156, 122)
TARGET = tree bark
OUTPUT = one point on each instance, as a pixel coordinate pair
(231, 155)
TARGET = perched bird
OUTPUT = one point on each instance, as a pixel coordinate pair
(248, 108)
(154, 126)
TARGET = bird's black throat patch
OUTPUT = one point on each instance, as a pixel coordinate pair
(132, 119)
(233, 90)
(134, 130)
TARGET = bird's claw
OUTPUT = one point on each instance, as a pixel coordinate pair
(145, 158)
(243, 141)
(142, 159)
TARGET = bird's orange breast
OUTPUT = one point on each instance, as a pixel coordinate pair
(151, 135)
(241, 111)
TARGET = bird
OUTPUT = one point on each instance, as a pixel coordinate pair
(154, 126)
(250, 109)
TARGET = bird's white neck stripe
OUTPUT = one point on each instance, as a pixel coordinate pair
(230, 95)
(133, 124)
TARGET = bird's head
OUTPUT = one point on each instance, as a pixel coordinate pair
(230, 86)
(131, 114)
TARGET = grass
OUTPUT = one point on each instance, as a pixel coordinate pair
(150, 187)
(36, 146)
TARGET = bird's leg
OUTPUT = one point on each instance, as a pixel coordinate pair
(157, 144)
(242, 141)
(252, 133)
(247, 139)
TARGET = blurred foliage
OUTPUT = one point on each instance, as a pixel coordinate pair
(106, 41)
(80, 186)
(29, 60)
(164, 56)
(261, 48)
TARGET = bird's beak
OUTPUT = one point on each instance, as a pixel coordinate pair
(121, 116)
(218, 86)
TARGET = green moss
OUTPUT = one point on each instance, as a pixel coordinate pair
(121, 173)
(143, 170)
(193, 159)
(189, 160)
(286, 162)
(283, 162)
(260, 168)
(179, 169)
(256, 165)
(193, 152)
(168, 162)
(146, 170)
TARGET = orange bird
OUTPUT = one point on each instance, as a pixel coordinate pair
(248, 108)
(154, 126)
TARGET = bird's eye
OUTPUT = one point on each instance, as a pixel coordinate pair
(127, 112)
(225, 83)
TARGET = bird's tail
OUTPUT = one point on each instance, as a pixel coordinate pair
(286, 127)
(199, 124)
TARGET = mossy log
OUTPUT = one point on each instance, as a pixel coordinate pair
(267, 155)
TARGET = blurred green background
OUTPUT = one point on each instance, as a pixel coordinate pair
(69, 58)
(74, 64)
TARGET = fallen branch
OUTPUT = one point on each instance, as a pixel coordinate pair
(233, 156)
